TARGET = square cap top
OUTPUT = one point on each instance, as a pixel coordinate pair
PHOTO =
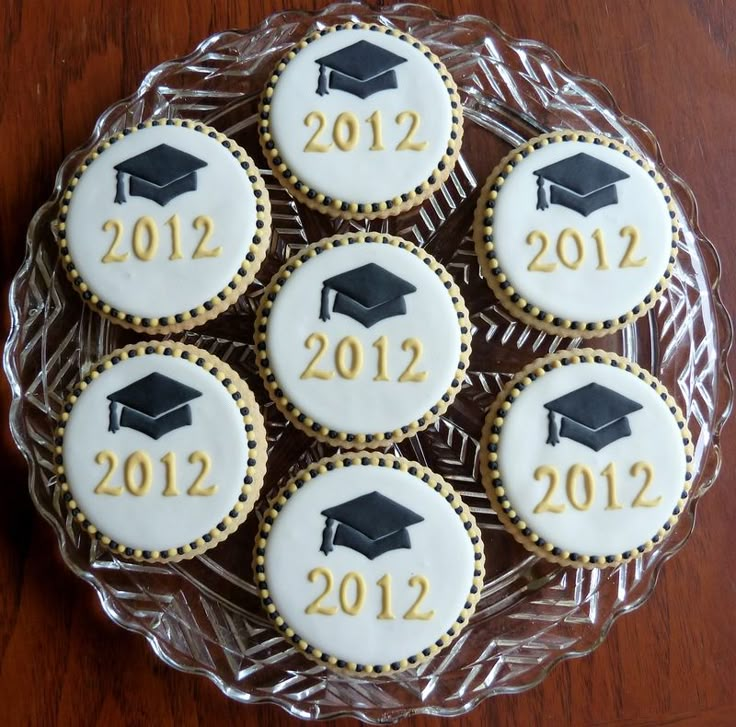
(373, 515)
(370, 285)
(593, 406)
(362, 60)
(582, 174)
(154, 395)
(161, 165)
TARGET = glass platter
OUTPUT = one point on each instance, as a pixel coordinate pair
(203, 616)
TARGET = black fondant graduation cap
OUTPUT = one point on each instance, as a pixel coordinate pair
(367, 294)
(581, 183)
(159, 174)
(594, 416)
(154, 405)
(361, 69)
(370, 524)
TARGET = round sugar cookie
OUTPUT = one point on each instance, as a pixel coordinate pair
(161, 451)
(361, 121)
(586, 458)
(576, 234)
(361, 339)
(368, 563)
(164, 225)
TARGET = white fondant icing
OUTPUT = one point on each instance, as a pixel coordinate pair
(154, 521)
(585, 294)
(361, 175)
(161, 287)
(362, 405)
(655, 438)
(440, 550)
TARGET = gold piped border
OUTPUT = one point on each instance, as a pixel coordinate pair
(491, 467)
(503, 288)
(367, 209)
(254, 430)
(209, 309)
(367, 459)
(303, 421)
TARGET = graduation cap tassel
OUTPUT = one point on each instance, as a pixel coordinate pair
(327, 536)
(322, 83)
(541, 196)
(552, 435)
(114, 417)
(120, 193)
(324, 310)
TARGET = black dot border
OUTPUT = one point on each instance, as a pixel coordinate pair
(359, 210)
(253, 427)
(503, 288)
(307, 424)
(209, 309)
(367, 459)
(491, 467)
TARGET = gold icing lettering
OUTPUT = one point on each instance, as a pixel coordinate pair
(206, 223)
(648, 470)
(349, 359)
(169, 462)
(352, 609)
(138, 463)
(377, 127)
(353, 591)
(346, 132)
(145, 229)
(346, 121)
(415, 346)
(628, 259)
(312, 372)
(356, 357)
(111, 256)
(408, 143)
(146, 239)
(316, 605)
(600, 246)
(111, 459)
(610, 474)
(570, 233)
(536, 265)
(578, 471)
(382, 346)
(175, 225)
(203, 459)
(573, 474)
(545, 504)
(384, 583)
(313, 144)
(413, 613)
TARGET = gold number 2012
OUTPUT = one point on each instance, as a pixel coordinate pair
(346, 132)
(349, 358)
(570, 250)
(138, 474)
(580, 474)
(146, 235)
(353, 604)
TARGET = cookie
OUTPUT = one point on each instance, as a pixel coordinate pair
(361, 339)
(160, 451)
(368, 563)
(576, 234)
(360, 121)
(164, 225)
(586, 458)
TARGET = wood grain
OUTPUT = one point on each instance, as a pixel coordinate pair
(669, 63)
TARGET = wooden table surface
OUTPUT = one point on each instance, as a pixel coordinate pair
(669, 63)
